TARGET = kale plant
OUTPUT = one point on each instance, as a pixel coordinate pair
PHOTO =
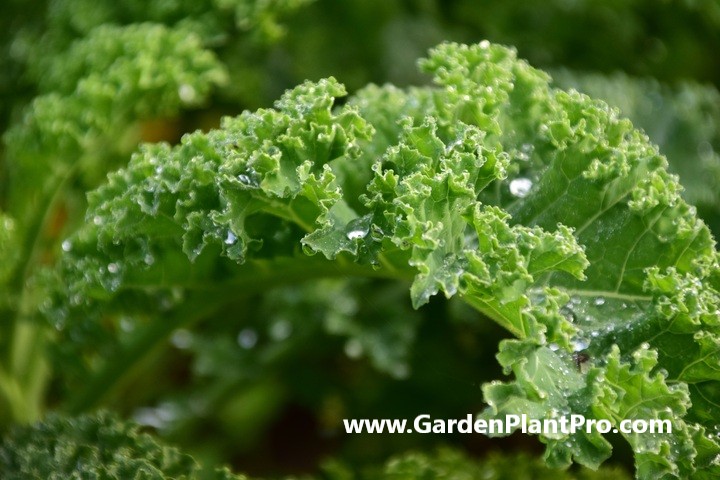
(322, 255)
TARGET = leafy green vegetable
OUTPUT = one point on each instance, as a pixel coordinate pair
(250, 281)
(543, 209)
(99, 446)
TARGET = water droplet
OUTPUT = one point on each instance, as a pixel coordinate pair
(569, 314)
(149, 259)
(247, 338)
(230, 239)
(127, 324)
(60, 323)
(400, 371)
(579, 344)
(554, 347)
(356, 234)
(451, 146)
(97, 220)
(160, 417)
(187, 93)
(280, 330)
(247, 180)
(705, 150)
(182, 339)
(485, 44)
(353, 348)
(599, 301)
(113, 268)
(67, 246)
(520, 187)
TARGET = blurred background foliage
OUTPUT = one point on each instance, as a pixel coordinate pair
(264, 385)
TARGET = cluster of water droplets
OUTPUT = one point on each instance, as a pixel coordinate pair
(278, 330)
(250, 179)
(160, 417)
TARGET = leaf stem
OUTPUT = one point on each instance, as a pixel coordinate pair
(25, 368)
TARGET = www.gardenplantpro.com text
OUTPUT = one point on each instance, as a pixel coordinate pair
(564, 424)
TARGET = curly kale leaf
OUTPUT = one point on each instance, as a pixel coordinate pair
(684, 121)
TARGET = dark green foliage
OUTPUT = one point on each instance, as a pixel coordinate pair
(99, 447)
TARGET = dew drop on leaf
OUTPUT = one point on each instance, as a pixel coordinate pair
(247, 338)
(400, 371)
(705, 150)
(127, 324)
(356, 234)
(520, 187)
(599, 301)
(580, 344)
(187, 93)
(230, 239)
(280, 330)
(181, 339)
(451, 146)
(67, 246)
(248, 180)
(353, 348)
(113, 268)
(568, 313)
